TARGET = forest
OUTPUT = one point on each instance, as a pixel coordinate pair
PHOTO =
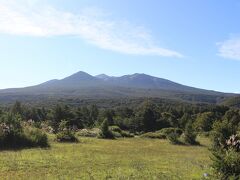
(22, 126)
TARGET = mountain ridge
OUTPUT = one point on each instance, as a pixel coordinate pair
(84, 85)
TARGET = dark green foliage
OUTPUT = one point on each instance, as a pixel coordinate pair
(117, 132)
(132, 116)
(167, 131)
(36, 137)
(89, 132)
(60, 113)
(126, 134)
(105, 132)
(222, 130)
(66, 136)
(115, 129)
(17, 108)
(189, 136)
(226, 146)
(204, 121)
(153, 135)
(233, 117)
(170, 119)
(147, 117)
(184, 120)
(232, 102)
(226, 159)
(85, 117)
(13, 135)
(36, 114)
(173, 138)
(108, 114)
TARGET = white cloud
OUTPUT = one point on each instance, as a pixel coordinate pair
(230, 48)
(92, 25)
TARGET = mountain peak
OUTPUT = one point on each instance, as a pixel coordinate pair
(80, 75)
(84, 85)
(103, 76)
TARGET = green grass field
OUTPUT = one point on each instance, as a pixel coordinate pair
(107, 159)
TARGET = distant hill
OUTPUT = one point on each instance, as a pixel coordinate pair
(232, 102)
(85, 86)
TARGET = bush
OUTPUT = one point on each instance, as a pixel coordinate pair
(89, 132)
(167, 131)
(205, 134)
(115, 129)
(36, 137)
(13, 135)
(221, 132)
(126, 134)
(189, 136)
(226, 159)
(66, 136)
(105, 132)
(173, 138)
(118, 133)
(153, 135)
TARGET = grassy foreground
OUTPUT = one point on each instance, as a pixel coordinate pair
(107, 159)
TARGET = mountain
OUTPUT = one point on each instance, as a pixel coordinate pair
(145, 81)
(82, 85)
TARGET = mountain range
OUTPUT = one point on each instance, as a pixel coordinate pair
(85, 86)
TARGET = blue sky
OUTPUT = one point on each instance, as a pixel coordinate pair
(195, 43)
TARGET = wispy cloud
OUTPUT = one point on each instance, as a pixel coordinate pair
(230, 48)
(22, 18)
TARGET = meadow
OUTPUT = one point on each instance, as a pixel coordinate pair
(91, 158)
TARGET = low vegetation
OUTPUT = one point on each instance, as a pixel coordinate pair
(14, 135)
(165, 129)
(154, 135)
(106, 133)
(92, 158)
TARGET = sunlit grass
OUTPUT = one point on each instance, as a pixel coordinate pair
(134, 158)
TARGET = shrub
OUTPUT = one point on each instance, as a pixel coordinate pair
(205, 134)
(13, 135)
(126, 134)
(221, 132)
(118, 133)
(173, 138)
(105, 132)
(115, 129)
(153, 135)
(226, 159)
(89, 132)
(189, 136)
(167, 131)
(36, 137)
(66, 136)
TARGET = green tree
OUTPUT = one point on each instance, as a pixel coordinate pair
(146, 116)
(226, 159)
(17, 108)
(109, 115)
(204, 121)
(189, 136)
(60, 113)
(105, 132)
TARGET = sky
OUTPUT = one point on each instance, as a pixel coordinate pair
(192, 42)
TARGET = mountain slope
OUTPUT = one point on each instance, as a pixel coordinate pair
(149, 82)
(83, 85)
